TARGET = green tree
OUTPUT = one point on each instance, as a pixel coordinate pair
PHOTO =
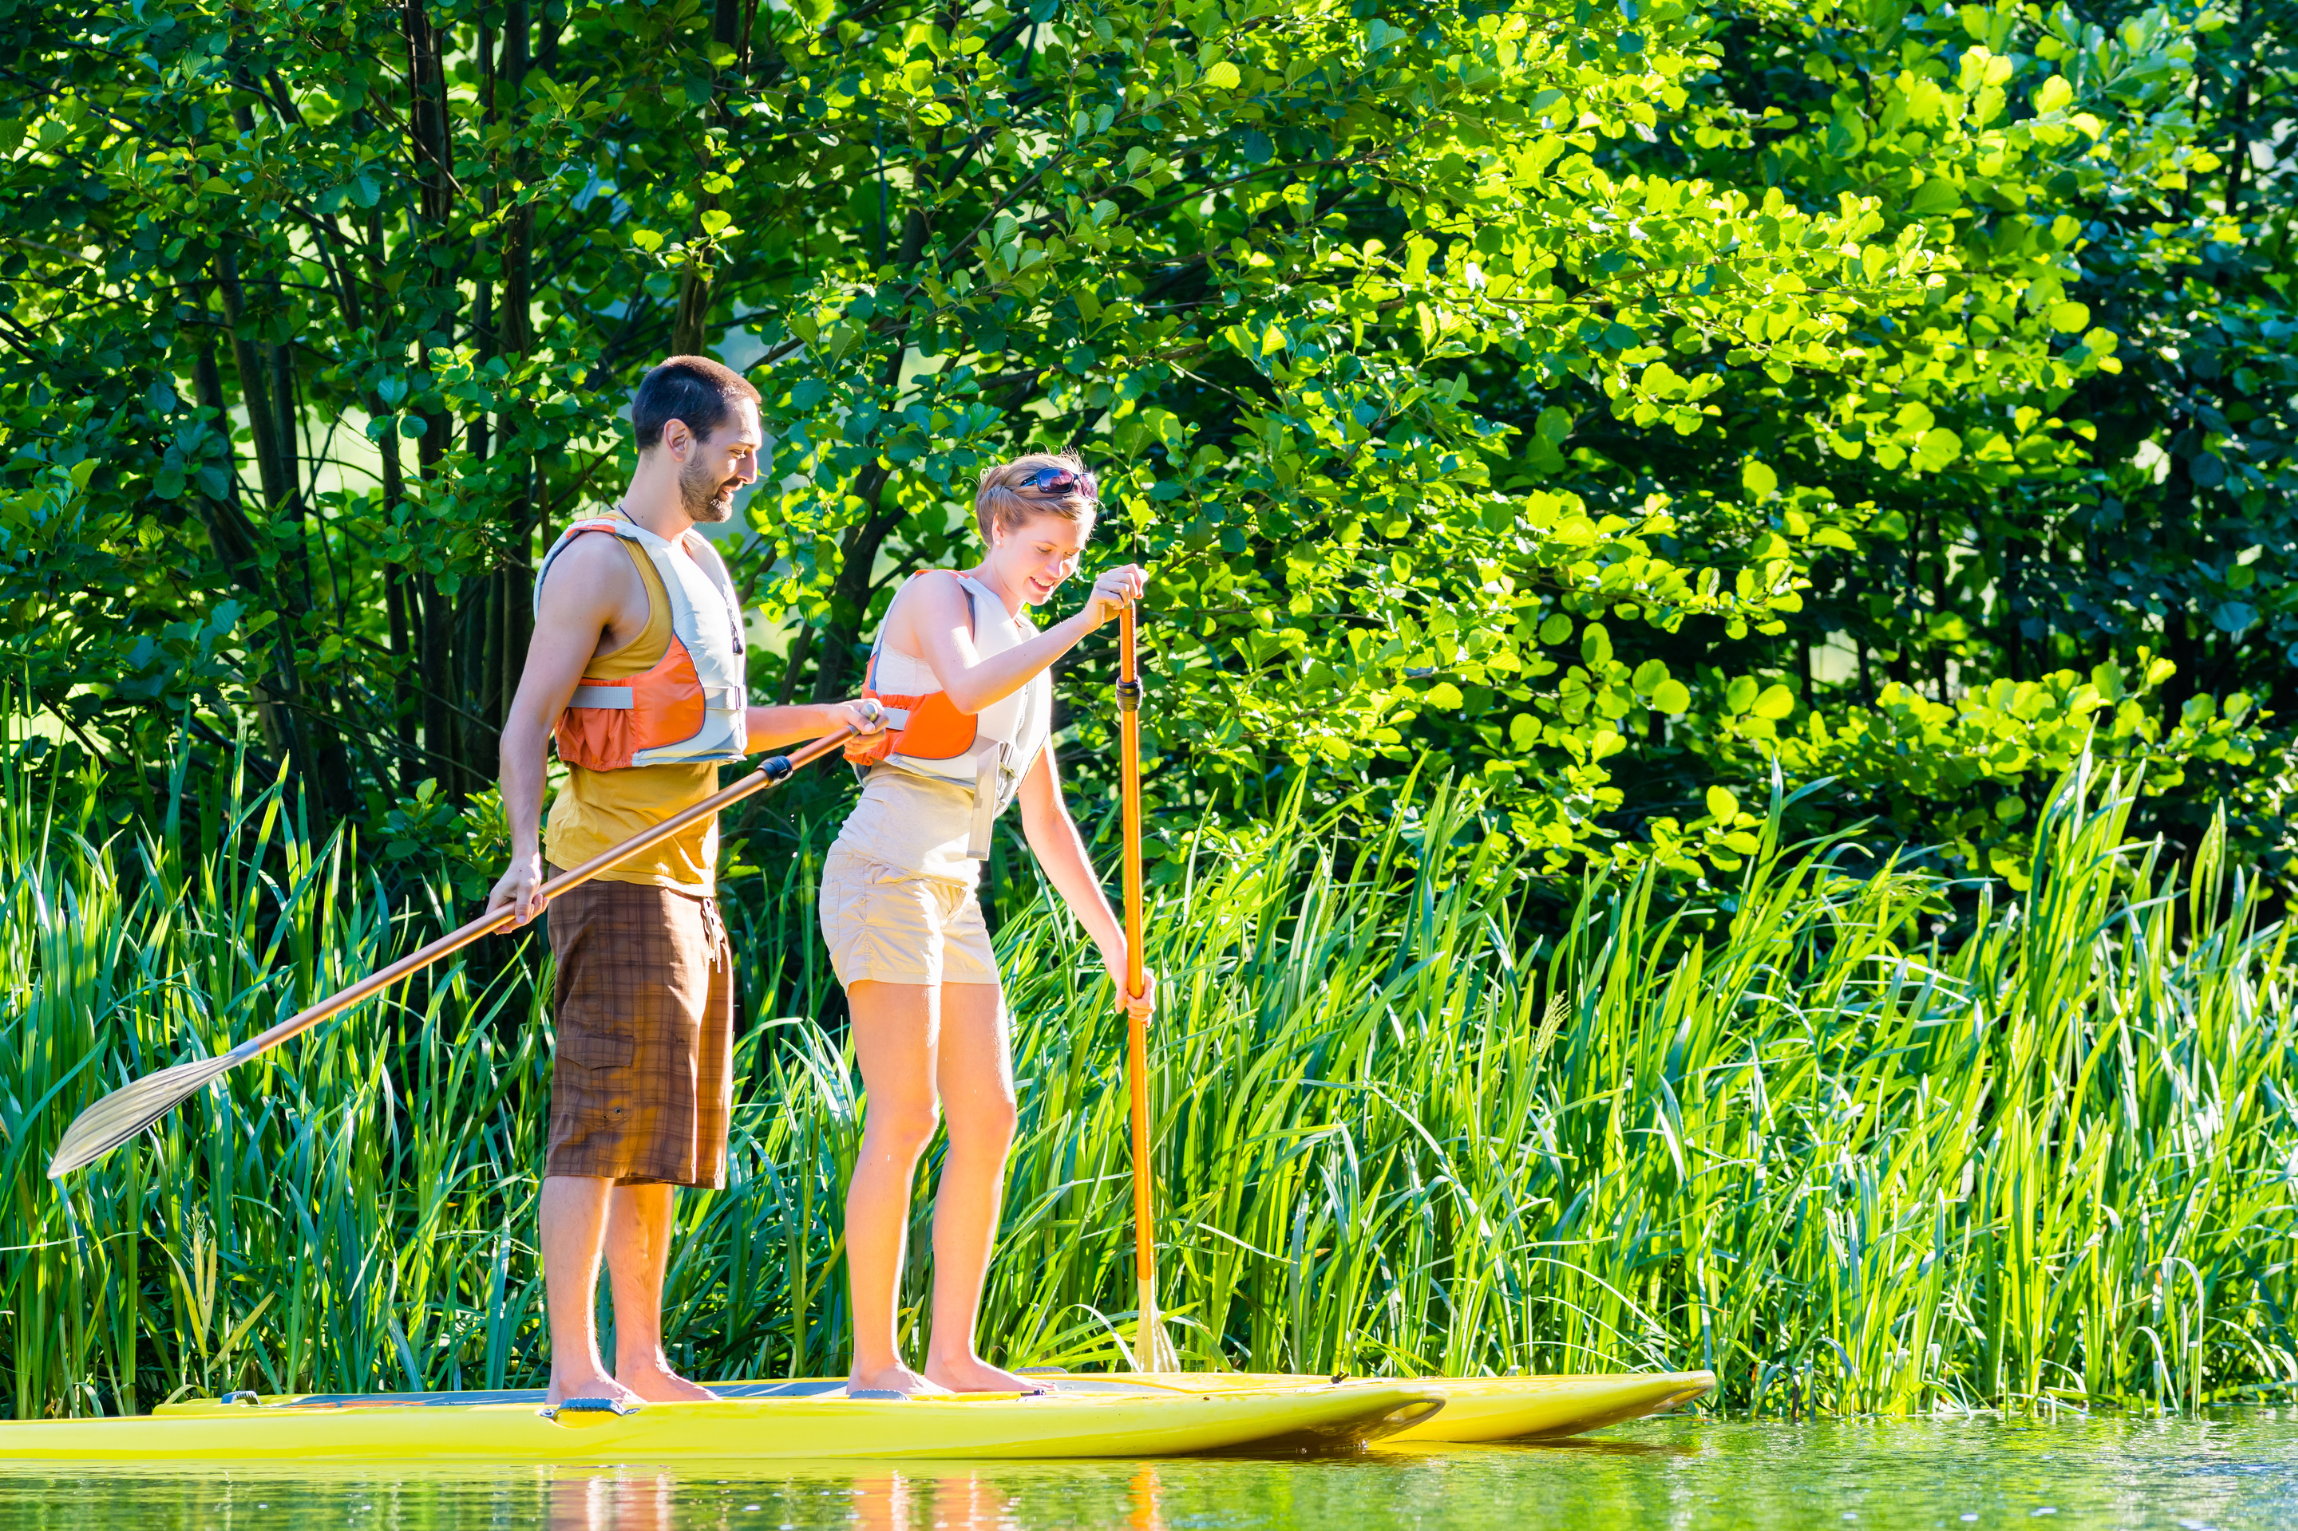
(1542, 384)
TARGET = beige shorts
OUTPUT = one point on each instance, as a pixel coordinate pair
(891, 926)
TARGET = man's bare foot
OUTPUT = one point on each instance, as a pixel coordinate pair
(896, 1378)
(589, 1382)
(971, 1374)
(657, 1383)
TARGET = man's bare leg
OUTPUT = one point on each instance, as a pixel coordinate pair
(895, 1041)
(573, 1225)
(975, 1074)
(637, 1254)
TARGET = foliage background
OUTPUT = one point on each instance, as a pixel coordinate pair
(1609, 398)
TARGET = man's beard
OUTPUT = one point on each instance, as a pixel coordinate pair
(707, 496)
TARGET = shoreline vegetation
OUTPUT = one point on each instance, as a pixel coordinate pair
(1406, 1120)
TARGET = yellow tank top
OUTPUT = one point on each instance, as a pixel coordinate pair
(599, 809)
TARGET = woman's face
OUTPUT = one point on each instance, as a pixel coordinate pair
(1035, 557)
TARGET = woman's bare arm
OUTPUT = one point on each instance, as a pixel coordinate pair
(932, 620)
(1053, 838)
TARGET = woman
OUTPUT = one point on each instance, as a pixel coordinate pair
(963, 674)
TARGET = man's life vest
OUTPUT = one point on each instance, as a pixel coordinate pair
(688, 708)
(989, 751)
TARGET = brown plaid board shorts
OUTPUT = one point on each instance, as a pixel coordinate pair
(644, 1000)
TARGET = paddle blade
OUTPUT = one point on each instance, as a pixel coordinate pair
(1153, 1348)
(122, 1114)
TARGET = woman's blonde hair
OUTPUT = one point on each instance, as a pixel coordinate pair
(1000, 502)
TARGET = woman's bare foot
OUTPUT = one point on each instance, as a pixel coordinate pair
(659, 1384)
(896, 1378)
(587, 1382)
(971, 1374)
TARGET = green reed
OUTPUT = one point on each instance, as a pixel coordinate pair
(1404, 1122)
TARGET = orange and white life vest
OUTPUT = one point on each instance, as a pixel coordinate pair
(989, 751)
(688, 708)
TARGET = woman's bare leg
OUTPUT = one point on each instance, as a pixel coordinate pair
(975, 1072)
(895, 1041)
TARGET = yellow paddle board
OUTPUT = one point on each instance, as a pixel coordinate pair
(764, 1420)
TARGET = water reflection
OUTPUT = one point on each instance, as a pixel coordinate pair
(2237, 1474)
(1145, 1516)
(611, 1501)
(870, 1499)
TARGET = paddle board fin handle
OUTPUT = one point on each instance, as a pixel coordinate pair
(613, 1406)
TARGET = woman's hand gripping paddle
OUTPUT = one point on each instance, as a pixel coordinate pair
(1153, 1348)
(122, 1114)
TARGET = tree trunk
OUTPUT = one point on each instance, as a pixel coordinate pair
(432, 148)
(254, 388)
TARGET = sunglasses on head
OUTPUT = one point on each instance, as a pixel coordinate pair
(1057, 481)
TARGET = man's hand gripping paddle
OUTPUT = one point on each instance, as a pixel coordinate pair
(122, 1114)
(1153, 1348)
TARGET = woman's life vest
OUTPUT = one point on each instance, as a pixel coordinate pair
(689, 708)
(989, 751)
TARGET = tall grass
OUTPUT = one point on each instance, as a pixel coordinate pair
(1403, 1124)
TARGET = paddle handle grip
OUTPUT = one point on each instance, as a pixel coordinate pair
(771, 772)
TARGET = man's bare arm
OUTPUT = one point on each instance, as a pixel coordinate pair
(586, 595)
(772, 727)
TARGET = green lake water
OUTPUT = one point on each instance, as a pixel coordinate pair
(2234, 1473)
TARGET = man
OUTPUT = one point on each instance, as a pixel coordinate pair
(637, 666)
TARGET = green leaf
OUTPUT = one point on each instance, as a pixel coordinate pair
(1939, 447)
(1595, 645)
(1444, 694)
(2234, 617)
(1723, 807)
(1740, 695)
(1775, 703)
(1670, 697)
(2070, 316)
(1934, 198)
(1757, 479)
(1223, 76)
(1556, 629)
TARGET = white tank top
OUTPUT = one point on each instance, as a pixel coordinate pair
(932, 825)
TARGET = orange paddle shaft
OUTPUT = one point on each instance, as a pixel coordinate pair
(1136, 1029)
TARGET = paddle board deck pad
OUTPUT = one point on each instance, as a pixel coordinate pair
(756, 1421)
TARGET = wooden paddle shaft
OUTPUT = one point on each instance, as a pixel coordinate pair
(771, 772)
(1136, 1030)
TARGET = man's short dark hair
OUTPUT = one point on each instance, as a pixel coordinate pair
(691, 388)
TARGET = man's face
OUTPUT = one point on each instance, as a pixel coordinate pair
(717, 466)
